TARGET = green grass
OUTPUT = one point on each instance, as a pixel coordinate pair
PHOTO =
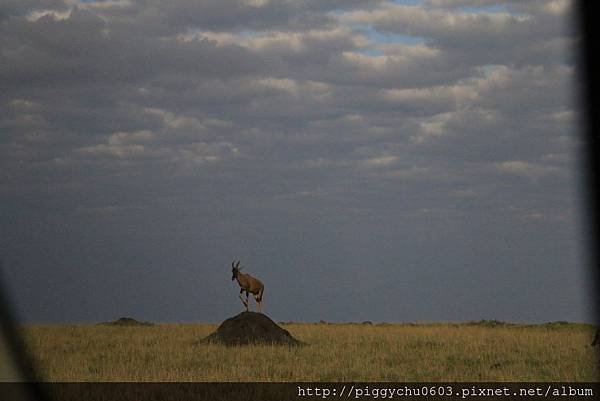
(474, 351)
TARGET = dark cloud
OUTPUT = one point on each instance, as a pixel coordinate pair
(147, 143)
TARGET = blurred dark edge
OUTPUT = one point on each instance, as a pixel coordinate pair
(28, 387)
(588, 69)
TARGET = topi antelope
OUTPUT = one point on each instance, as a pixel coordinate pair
(249, 284)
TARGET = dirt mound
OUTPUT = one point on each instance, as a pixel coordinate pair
(126, 321)
(251, 328)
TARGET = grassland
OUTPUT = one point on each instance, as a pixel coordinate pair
(485, 351)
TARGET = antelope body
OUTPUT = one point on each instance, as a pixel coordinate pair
(248, 284)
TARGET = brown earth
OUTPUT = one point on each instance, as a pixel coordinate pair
(251, 328)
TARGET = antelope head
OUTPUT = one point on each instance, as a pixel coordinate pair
(235, 269)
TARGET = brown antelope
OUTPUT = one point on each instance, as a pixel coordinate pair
(249, 284)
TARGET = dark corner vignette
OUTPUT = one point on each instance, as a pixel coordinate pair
(22, 383)
(589, 69)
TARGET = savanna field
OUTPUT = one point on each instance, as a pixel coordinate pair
(480, 351)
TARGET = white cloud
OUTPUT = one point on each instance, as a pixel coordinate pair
(257, 3)
(116, 151)
(286, 85)
(557, 7)
(279, 41)
(421, 21)
(98, 4)
(122, 138)
(381, 161)
(526, 169)
(454, 96)
(564, 116)
(415, 173)
(56, 15)
(24, 105)
(172, 120)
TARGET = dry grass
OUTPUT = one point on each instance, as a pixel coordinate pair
(336, 352)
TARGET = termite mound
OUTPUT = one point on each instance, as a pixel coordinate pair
(126, 321)
(249, 328)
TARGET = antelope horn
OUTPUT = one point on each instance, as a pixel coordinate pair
(233, 264)
(237, 264)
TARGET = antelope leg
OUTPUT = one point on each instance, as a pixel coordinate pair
(258, 302)
(245, 302)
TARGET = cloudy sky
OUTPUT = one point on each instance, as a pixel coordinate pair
(368, 160)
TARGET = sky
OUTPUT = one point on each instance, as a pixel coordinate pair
(367, 160)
